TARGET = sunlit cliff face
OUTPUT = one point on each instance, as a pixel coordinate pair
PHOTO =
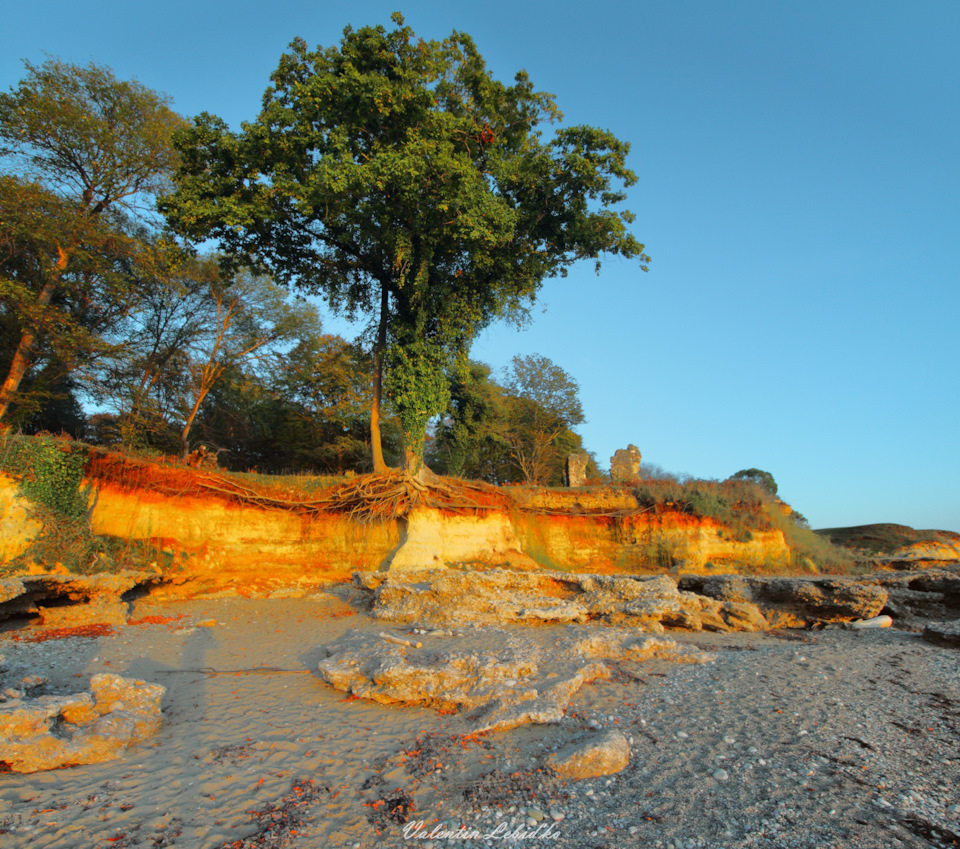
(210, 540)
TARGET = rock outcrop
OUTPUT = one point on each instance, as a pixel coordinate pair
(448, 597)
(443, 597)
(943, 634)
(430, 538)
(69, 600)
(49, 732)
(794, 602)
(915, 597)
(501, 679)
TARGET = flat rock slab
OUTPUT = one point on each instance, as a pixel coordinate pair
(604, 753)
(501, 679)
(943, 634)
(49, 732)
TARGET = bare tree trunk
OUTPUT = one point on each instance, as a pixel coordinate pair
(379, 465)
(185, 433)
(21, 359)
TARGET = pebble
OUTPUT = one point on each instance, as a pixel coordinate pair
(721, 775)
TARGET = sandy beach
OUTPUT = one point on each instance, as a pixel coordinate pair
(793, 739)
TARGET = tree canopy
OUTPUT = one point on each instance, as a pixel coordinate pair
(758, 476)
(86, 153)
(396, 177)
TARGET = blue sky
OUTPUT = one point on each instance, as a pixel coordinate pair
(799, 193)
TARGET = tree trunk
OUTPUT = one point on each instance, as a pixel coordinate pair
(185, 433)
(21, 359)
(185, 438)
(379, 465)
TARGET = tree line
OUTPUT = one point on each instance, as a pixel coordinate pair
(393, 177)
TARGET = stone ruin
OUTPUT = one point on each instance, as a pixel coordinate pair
(625, 464)
(575, 473)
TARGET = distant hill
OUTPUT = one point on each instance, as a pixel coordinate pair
(889, 539)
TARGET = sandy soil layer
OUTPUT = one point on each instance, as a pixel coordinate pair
(792, 740)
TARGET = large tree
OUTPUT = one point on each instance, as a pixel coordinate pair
(399, 179)
(87, 150)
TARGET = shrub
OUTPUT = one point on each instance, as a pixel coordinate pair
(744, 506)
(50, 471)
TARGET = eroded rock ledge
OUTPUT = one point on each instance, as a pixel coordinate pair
(509, 680)
(444, 597)
(65, 600)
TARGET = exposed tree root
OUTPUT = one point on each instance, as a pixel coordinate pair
(370, 497)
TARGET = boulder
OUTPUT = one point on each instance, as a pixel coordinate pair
(49, 732)
(741, 616)
(605, 753)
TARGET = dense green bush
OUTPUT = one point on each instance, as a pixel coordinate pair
(50, 472)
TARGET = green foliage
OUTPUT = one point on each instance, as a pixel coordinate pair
(84, 152)
(399, 179)
(543, 403)
(761, 478)
(417, 387)
(87, 135)
(468, 440)
(739, 506)
(50, 472)
(517, 430)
